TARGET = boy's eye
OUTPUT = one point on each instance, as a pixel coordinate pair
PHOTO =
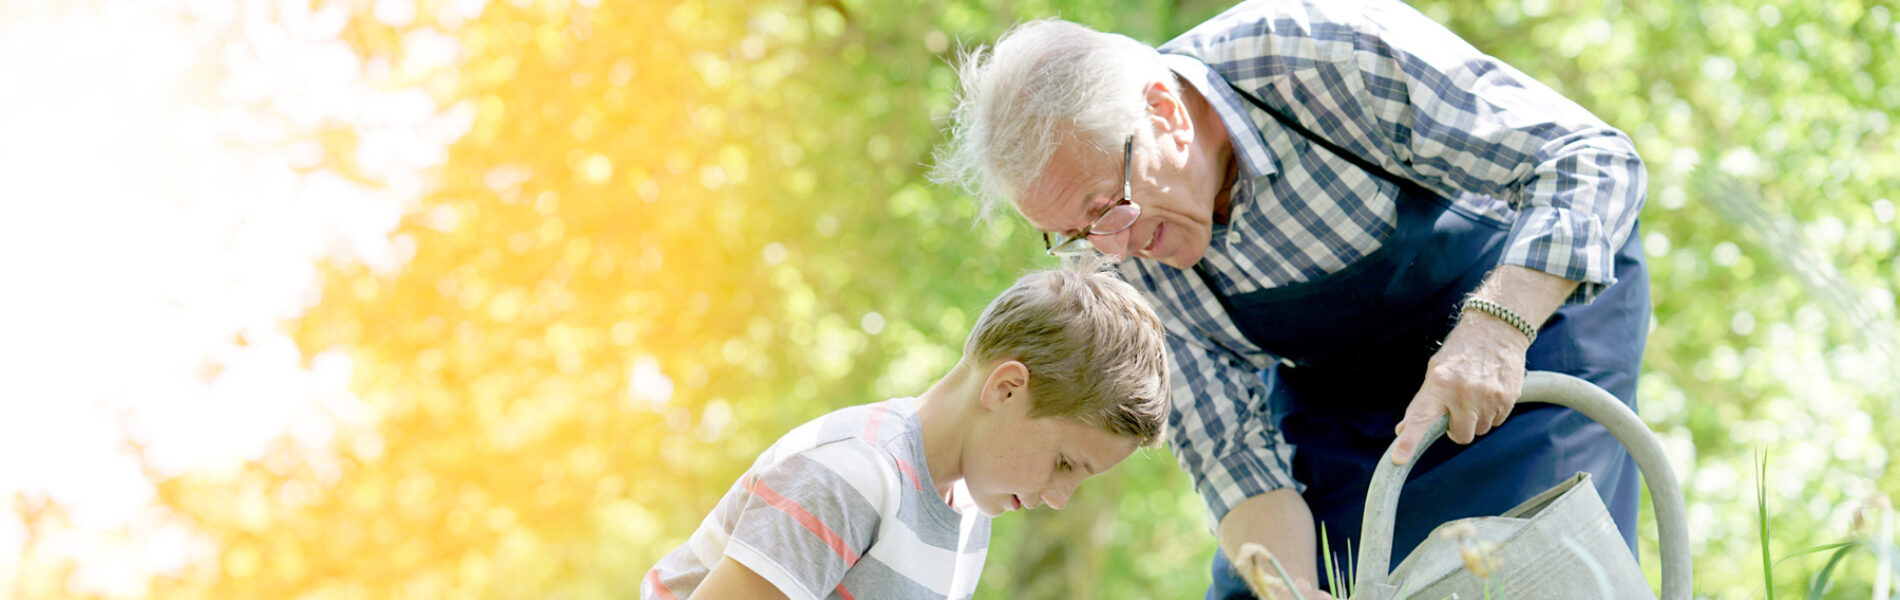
(1062, 463)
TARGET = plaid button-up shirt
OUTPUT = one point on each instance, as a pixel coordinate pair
(1381, 80)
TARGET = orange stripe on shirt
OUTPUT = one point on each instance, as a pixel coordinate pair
(904, 465)
(845, 594)
(804, 517)
(870, 424)
(659, 589)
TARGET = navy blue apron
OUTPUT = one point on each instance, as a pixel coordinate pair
(1356, 343)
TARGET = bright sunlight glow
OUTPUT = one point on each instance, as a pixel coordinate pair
(164, 221)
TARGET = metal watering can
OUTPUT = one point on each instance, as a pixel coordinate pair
(1559, 544)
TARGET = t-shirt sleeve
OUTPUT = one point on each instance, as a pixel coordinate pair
(807, 519)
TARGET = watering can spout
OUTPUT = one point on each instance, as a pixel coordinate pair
(1562, 535)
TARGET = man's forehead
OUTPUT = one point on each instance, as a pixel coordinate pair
(1060, 189)
(1037, 206)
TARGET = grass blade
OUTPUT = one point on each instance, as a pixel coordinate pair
(1291, 586)
(1814, 549)
(1326, 556)
(1332, 566)
(1821, 580)
(1350, 572)
(1339, 582)
(1761, 517)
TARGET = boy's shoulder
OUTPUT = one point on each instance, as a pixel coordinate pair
(868, 445)
(878, 424)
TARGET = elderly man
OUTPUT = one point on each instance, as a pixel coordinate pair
(1353, 223)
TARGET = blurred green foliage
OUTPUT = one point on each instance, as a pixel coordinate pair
(675, 229)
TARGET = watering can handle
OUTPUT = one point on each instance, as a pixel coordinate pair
(1382, 498)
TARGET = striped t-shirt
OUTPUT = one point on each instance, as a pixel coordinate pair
(841, 507)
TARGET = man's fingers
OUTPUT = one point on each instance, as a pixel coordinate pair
(1402, 450)
(1417, 421)
(1420, 414)
(1463, 423)
(1481, 424)
(1494, 420)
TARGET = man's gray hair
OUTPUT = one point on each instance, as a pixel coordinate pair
(1046, 82)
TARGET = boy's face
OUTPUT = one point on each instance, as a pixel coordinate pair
(1021, 462)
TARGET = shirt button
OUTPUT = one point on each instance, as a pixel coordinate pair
(1233, 237)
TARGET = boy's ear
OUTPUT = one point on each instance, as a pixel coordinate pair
(1007, 381)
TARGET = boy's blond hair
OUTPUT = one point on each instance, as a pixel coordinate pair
(1094, 349)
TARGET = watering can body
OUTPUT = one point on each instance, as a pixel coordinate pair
(1560, 544)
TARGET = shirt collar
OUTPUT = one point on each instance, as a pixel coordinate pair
(1249, 148)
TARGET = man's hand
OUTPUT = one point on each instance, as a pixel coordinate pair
(1277, 523)
(1256, 567)
(1474, 378)
(1479, 372)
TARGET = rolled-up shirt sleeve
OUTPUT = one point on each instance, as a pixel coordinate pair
(1577, 208)
(1384, 82)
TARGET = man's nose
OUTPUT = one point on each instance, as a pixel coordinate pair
(1113, 243)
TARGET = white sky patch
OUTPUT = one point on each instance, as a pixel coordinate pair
(162, 225)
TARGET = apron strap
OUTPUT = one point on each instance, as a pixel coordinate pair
(1355, 159)
(1407, 186)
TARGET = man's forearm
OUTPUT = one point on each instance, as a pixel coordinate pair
(1477, 373)
(1280, 521)
(1532, 294)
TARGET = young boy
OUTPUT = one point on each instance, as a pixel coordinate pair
(1064, 375)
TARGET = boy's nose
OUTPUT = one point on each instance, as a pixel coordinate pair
(1057, 498)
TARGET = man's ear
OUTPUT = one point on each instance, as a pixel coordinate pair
(1007, 382)
(1167, 112)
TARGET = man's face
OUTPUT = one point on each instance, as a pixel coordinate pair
(1082, 182)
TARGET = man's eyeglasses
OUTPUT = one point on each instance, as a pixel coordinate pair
(1118, 218)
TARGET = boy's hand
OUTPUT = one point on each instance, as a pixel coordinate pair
(1256, 567)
